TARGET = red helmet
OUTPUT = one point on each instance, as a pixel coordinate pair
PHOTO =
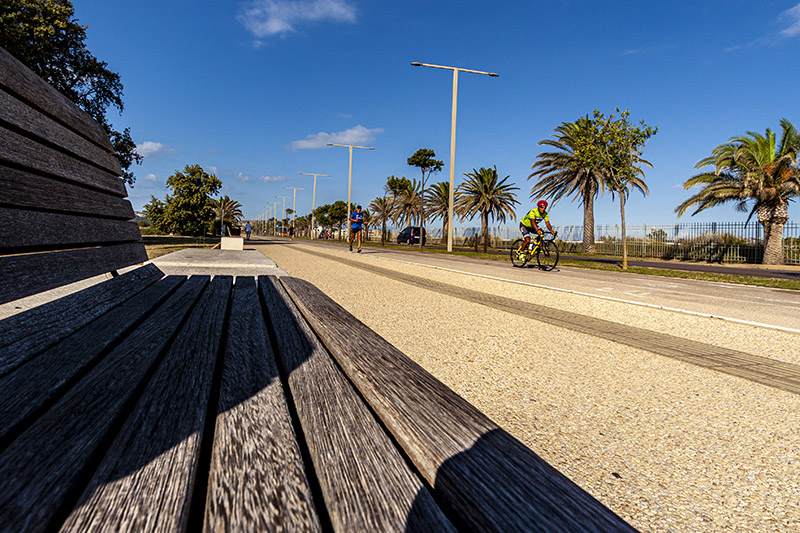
(542, 203)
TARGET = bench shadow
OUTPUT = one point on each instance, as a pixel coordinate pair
(499, 484)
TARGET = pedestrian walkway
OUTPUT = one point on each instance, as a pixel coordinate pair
(783, 376)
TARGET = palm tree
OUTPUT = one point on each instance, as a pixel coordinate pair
(483, 193)
(382, 209)
(755, 170)
(565, 172)
(437, 204)
(408, 202)
(227, 210)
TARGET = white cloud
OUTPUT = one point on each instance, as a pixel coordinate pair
(242, 177)
(272, 179)
(793, 16)
(264, 18)
(357, 135)
(150, 149)
(151, 177)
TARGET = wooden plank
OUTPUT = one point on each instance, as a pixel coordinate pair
(19, 115)
(145, 481)
(28, 274)
(20, 151)
(26, 334)
(44, 465)
(487, 479)
(45, 378)
(256, 480)
(22, 82)
(24, 189)
(54, 231)
(365, 482)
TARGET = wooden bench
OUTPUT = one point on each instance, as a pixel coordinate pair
(172, 403)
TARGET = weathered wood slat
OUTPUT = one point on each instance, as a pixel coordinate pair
(42, 466)
(487, 479)
(45, 378)
(21, 151)
(39, 126)
(366, 484)
(256, 481)
(26, 334)
(23, 189)
(28, 274)
(19, 80)
(38, 229)
(146, 479)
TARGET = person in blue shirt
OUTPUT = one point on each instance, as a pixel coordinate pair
(248, 229)
(356, 221)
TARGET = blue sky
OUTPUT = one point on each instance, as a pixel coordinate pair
(253, 90)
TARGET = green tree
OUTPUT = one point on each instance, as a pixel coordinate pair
(155, 212)
(395, 186)
(438, 204)
(617, 154)
(382, 210)
(571, 170)
(485, 194)
(45, 36)
(189, 210)
(424, 159)
(338, 214)
(227, 210)
(758, 174)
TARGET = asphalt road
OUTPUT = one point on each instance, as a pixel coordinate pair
(771, 307)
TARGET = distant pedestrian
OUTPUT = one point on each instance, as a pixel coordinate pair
(356, 220)
(291, 233)
(248, 229)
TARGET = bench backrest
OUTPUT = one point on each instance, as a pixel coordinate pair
(63, 212)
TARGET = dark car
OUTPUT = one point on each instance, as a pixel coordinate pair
(411, 236)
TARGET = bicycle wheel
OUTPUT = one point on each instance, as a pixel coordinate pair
(547, 256)
(517, 259)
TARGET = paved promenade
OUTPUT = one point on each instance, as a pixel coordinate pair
(677, 422)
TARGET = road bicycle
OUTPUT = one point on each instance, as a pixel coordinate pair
(544, 249)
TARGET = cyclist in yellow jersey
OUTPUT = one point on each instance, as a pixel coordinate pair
(530, 223)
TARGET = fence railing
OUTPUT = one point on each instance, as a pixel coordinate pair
(725, 242)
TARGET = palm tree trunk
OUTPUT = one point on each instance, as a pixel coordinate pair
(485, 230)
(624, 240)
(588, 246)
(773, 219)
(444, 230)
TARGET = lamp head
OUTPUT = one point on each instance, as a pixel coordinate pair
(416, 64)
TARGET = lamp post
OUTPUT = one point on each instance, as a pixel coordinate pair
(284, 206)
(350, 175)
(294, 197)
(275, 214)
(451, 199)
(314, 197)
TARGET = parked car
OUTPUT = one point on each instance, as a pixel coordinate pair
(410, 235)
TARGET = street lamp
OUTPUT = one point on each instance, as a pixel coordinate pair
(275, 226)
(451, 199)
(314, 196)
(350, 175)
(294, 196)
(284, 207)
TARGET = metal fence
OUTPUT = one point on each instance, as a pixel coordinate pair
(725, 242)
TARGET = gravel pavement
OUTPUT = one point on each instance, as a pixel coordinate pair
(667, 445)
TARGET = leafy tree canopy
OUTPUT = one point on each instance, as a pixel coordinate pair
(45, 36)
(189, 209)
(424, 159)
(395, 186)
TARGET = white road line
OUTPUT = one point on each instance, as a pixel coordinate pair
(652, 306)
